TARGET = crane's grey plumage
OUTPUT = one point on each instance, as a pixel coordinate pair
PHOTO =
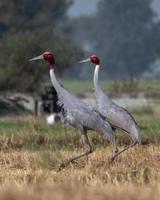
(77, 113)
(116, 115)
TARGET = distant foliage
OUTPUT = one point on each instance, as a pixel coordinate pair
(126, 36)
(16, 72)
(27, 29)
(23, 15)
(130, 86)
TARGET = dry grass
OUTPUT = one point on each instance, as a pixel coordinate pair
(69, 191)
(33, 175)
(29, 163)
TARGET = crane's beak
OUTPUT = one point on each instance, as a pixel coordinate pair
(37, 58)
(86, 60)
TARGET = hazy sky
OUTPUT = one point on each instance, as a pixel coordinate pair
(156, 6)
(86, 7)
(82, 7)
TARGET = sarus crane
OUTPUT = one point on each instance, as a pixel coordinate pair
(116, 115)
(77, 113)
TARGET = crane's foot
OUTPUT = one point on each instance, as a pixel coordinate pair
(114, 157)
(116, 153)
(126, 148)
(62, 166)
(117, 150)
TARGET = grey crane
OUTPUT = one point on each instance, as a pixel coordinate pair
(116, 115)
(77, 113)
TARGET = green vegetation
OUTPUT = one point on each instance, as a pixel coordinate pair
(150, 87)
(144, 110)
(32, 134)
(11, 108)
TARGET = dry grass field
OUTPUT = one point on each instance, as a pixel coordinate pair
(31, 152)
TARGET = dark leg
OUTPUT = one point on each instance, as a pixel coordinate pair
(116, 149)
(115, 145)
(127, 147)
(87, 152)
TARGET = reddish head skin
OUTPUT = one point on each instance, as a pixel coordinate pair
(94, 59)
(50, 58)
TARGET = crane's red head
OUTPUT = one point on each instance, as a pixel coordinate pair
(94, 59)
(48, 57)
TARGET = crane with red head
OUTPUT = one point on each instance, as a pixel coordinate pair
(117, 116)
(77, 113)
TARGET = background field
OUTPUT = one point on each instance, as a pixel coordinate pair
(31, 153)
(147, 86)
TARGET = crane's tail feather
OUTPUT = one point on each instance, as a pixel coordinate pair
(136, 133)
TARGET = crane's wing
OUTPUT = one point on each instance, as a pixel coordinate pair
(78, 113)
(69, 102)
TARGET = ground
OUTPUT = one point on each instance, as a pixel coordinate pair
(31, 152)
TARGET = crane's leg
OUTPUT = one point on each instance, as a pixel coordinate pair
(115, 145)
(116, 148)
(88, 150)
(127, 147)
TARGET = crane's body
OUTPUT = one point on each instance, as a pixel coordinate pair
(77, 113)
(116, 115)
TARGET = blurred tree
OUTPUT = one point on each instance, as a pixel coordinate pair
(125, 35)
(20, 15)
(16, 73)
(28, 29)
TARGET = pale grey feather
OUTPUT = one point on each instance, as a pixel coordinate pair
(116, 115)
(79, 114)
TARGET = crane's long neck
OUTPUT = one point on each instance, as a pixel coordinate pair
(96, 74)
(99, 94)
(54, 81)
